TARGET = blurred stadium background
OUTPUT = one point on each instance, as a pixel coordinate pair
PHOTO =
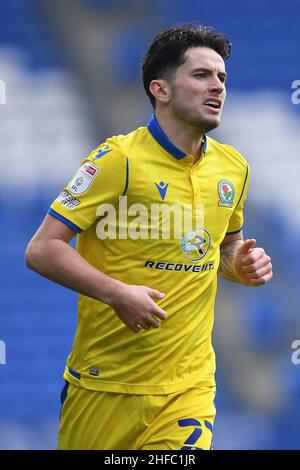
(72, 75)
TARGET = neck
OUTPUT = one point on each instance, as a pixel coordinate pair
(182, 135)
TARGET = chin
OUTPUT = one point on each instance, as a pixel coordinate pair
(211, 125)
(207, 125)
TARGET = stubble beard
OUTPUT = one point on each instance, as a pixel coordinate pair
(193, 118)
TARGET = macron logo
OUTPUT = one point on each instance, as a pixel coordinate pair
(162, 189)
(102, 152)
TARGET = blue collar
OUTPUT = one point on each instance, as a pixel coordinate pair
(159, 135)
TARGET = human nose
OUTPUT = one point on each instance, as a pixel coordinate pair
(216, 85)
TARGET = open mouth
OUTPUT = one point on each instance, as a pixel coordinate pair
(214, 104)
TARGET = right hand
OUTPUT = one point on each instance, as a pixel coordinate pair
(135, 306)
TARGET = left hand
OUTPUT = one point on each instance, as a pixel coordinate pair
(252, 265)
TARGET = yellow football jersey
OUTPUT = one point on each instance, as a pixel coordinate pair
(138, 172)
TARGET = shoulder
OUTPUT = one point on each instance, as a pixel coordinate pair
(231, 153)
(117, 147)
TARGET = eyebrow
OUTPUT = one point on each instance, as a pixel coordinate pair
(205, 69)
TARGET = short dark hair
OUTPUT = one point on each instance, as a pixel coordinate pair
(168, 49)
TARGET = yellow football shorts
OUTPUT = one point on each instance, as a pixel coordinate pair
(93, 420)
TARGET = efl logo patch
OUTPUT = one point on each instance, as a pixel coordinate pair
(83, 178)
(226, 193)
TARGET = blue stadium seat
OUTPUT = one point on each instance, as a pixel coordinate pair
(22, 24)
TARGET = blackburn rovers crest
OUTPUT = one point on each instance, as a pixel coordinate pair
(226, 193)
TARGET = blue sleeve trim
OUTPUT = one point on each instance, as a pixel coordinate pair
(233, 233)
(64, 220)
(74, 373)
(127, 177)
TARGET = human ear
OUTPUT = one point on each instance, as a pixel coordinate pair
(160, 90)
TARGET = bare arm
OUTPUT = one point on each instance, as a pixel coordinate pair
(242, 262)
(228, 250)
(50, 255)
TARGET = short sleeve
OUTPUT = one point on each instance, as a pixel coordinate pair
(236, 220)
(102, 178)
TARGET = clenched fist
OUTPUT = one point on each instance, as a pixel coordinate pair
(252, 265)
